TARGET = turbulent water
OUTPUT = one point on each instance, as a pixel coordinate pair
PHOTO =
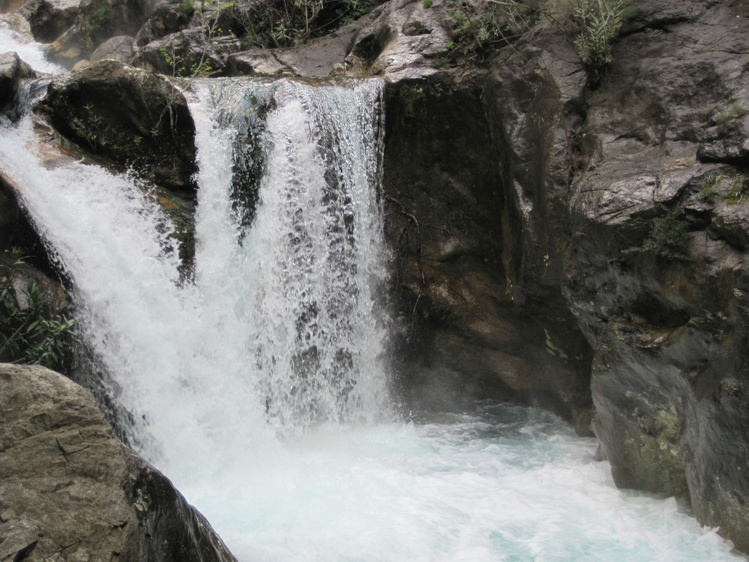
(260, 388)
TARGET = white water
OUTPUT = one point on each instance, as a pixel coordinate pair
(209, 370)
(30, 52)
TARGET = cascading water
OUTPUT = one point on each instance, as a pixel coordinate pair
(259, 388)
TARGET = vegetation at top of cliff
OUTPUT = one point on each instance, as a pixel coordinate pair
(29, 331)
(669, 237)
(591, 25)
(282, 23)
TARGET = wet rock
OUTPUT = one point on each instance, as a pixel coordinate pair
(656, 274)
(12, 71)
(118, 48)
(134, 117)
(71, 489)
(448, 221)
(50, 18)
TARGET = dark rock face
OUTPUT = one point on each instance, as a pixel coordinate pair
(596, 222)
(71, 490)
(131, 116)
(449, 222)
(12, 71)
(653, 265)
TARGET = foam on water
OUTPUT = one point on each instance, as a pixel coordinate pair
(508, 484)
(30, 52)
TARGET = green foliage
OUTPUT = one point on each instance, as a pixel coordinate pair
(427, 3)
(708, 190)
(98, 19)
(280, 23)
(29, 332)
(187, 8)
(486, 22)
(598, 23)
(729, 188)
(669, 238)
(731, 114)
(737, 191)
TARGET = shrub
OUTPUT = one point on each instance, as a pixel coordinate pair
(669, 238)
(29, 332)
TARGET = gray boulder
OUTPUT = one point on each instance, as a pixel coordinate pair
(119, 48)
(70, 490)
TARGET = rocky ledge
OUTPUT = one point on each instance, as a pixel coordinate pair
(70, 490)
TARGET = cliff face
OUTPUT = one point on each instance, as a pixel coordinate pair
(553, 224)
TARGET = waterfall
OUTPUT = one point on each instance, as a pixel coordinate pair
(256, 383)
(284, 315)
(290, 218)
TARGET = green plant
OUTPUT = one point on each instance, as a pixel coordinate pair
(98, 19)
(187, 8)
(427, 3)
(29, 331)
(737, 191)
(598, 23)
(669, 237)
(730, 115)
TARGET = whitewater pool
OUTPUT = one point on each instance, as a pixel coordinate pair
(507, 483)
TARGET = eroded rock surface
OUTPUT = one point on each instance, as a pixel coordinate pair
(127, 114)
(70, 490)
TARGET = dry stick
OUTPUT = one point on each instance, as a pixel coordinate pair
(412, 219)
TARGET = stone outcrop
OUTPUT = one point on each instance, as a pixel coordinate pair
(131, 116)
(70, 490)
(627, 192)
(12, 71)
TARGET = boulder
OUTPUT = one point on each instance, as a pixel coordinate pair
(12, 71)
(131, 116)
(164, 20)
(50, 18)
(319, 58)
(119, 48)
(70, 490)
(401, 39)
(97, 21)
(187, 53)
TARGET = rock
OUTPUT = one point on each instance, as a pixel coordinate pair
(401, 39)
(164, 20)
(50, 18)
(667, 320)
(12, 71)
(129, 115)
(97, 21)
(187, 53)
(16, 22)
(118, 48)
(463, 335)
(319, 58)
(71, 490)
